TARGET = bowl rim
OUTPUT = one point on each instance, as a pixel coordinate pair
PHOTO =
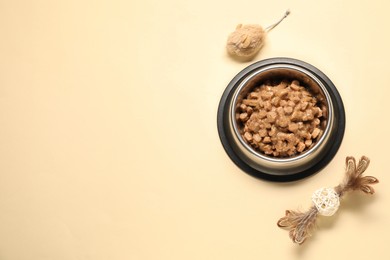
(263, 69)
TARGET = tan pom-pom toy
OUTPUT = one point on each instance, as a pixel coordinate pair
(246, 41)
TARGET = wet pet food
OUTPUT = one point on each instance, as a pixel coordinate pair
(282, 119)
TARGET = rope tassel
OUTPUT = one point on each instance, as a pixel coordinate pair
(327, 200)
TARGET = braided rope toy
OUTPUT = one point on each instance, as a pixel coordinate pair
(327, 200)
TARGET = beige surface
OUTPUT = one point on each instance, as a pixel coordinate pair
(108, 140)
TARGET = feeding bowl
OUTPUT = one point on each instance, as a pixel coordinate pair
(272, 167)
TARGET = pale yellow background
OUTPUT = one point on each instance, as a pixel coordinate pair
(108, 139)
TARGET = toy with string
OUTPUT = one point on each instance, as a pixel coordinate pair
(246, 41)
(327, 200)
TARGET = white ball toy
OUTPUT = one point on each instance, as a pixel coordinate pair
(326, 200)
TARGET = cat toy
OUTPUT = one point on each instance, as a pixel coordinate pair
(326, 201)
(246, 41)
